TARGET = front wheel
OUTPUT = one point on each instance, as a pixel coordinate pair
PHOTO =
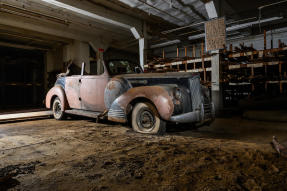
(57, 109)
(145, 119)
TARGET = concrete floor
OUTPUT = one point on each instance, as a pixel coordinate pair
(83, 155)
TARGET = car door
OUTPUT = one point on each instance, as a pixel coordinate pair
(92, 91)
(72, 90)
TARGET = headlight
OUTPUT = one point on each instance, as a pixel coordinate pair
(177, 93)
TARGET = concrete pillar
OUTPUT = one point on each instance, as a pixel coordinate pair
(81, 54)
(145, 34)
(100, 60)
(97, 45)
(78, 52)
(216, 87)
(141, 52)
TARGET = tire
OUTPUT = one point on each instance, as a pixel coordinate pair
(58, 112)
(145, 119)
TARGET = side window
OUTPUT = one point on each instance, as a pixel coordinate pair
(121, 67)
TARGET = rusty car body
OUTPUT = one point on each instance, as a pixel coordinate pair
(147, 100)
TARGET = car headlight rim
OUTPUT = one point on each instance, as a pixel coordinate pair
(177, 93)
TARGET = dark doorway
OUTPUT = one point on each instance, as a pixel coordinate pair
(21, 79)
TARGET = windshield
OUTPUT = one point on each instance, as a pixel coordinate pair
(116, 67)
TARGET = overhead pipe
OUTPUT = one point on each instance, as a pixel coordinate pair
(201, 23)
(165, 44)
(237, 27)
(176, 8)
(228, 29)
(32, 14)
(142, 1)
(264, 6)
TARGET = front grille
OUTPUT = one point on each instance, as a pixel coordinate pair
(195, 93)
(117, 114)
(208, 110)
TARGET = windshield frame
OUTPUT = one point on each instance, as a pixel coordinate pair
(107, 64)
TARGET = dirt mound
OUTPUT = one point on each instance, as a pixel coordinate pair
(170, 166)
(7, 173)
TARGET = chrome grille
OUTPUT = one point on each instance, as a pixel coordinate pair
(117, 113)
(195, 93)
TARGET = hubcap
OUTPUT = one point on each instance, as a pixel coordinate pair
(146, 120)
(57, 109)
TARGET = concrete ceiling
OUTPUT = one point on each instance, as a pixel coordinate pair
(17, 37)
(178, 12)
(190, 12)
(159, 15)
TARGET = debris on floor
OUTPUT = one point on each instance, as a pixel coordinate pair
(84, 155)
(280, 148)
(8, 174)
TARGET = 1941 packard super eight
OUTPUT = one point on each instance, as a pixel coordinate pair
(124, 93)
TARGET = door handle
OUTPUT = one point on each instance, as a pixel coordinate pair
(80, 81)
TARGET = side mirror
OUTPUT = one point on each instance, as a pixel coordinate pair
(83, 69)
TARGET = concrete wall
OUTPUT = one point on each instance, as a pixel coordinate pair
(54, 59)
(113, 53)
(79, 52)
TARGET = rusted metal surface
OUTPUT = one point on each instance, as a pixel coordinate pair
(116, 95)
(83, 113)
(115, 88)
(187, 117)
(156, 94)
(59, 92)
(72, 90)
(92, 89)
(117, 119)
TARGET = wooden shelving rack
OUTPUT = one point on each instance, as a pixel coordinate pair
(248, 72)
(201, 65)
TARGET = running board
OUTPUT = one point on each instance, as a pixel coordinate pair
(91, 114)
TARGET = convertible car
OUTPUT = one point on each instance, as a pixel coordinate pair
(123, 93)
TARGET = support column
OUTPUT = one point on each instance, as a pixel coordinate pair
(100, 60)
(216, 87)
(141, 51)
(99, 47)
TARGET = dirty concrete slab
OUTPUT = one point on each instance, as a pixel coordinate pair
(84, 155)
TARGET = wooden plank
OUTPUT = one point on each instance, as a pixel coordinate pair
(20, 116)
(260, 53)
(265, 44)
(193, 51)
(255, 65)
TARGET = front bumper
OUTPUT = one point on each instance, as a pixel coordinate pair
(205, 114)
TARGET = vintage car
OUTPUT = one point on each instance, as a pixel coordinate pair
(123, 93)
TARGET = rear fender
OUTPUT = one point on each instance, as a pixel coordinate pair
(56, 91)
(156, 94)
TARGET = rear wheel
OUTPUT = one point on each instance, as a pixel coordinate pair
(57, 109)
(145, 119)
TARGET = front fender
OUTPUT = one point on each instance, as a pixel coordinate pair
(156, 94)
(60, 93)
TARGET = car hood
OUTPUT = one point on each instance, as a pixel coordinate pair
(152, 79)
(158, 75)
